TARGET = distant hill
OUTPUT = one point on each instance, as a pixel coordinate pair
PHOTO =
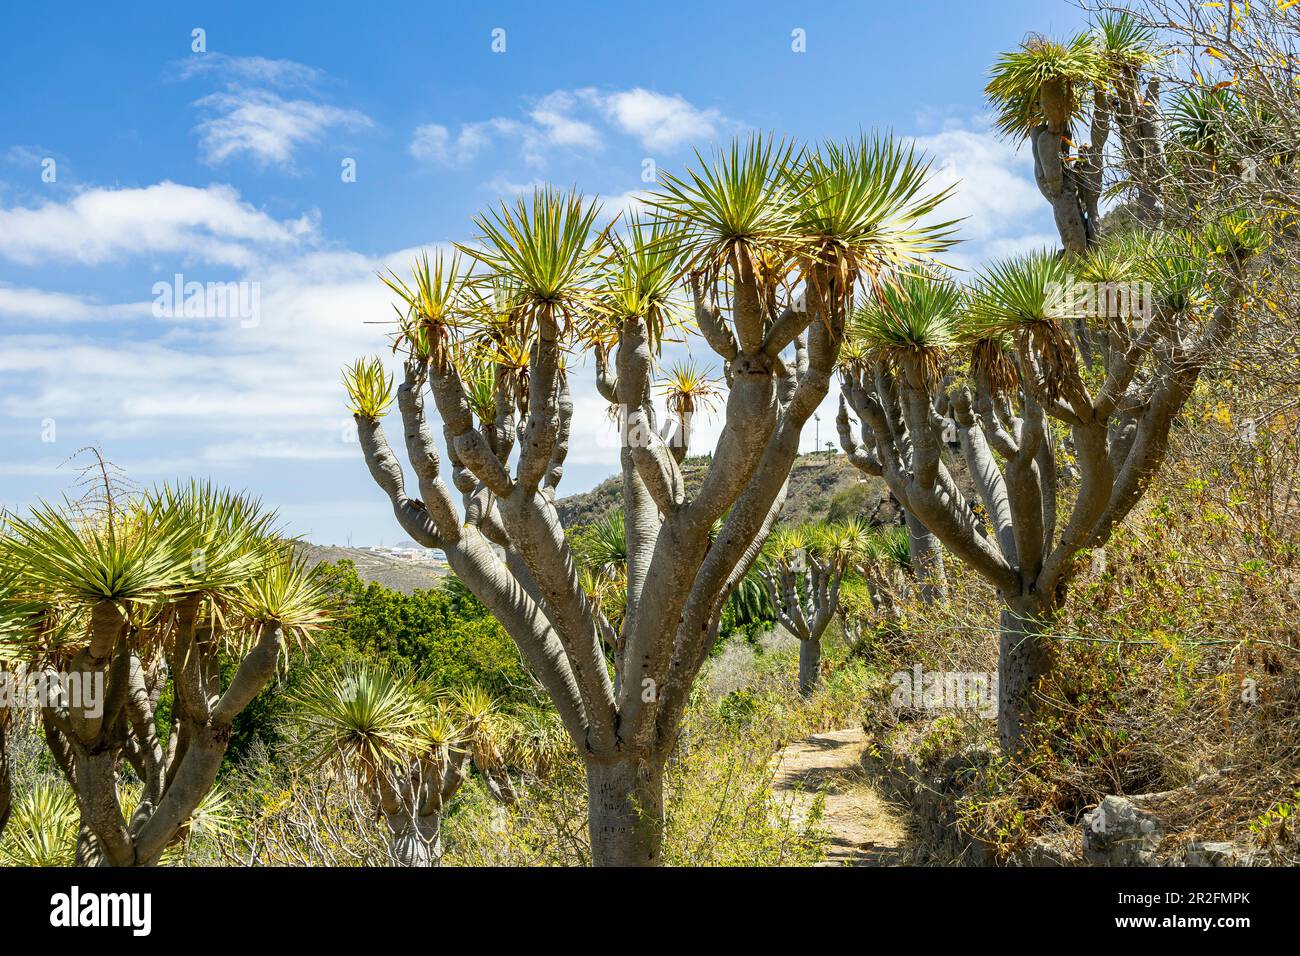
(819, 485)
(404, 576)
(822, 487)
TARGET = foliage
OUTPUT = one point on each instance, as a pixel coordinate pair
(43, 828)
(369, 388)
(1019, 79)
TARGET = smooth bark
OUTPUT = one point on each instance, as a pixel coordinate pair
(810, 664)
(626, 810)
(1024, 657)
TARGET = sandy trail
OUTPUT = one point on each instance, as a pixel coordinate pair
(864, 830)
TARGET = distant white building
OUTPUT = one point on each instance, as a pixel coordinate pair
(406, 554)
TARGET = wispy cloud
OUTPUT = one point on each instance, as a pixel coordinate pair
(265, 127)
(576, 120)
(250, 69)
(216, 394)
(249, 118)
(24, 155)
(436, 142)
(553, 116)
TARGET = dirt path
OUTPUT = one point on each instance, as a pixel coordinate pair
(865, 831)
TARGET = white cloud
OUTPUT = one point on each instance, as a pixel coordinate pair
(18, 469)
(210, 225)
(994, 194)
(250, 69)
(572, 119)
(22, 155)
(266, 127)
(551, 114)
(660, 121)
(217, 394)
(283, 450)
(1007, 246)
(632, 201)
(994, 184)
(41, 306)
(433, 141)
(248, 118)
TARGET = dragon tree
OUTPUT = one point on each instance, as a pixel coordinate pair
(1047, 91)
(125, 599)
(408, 747)
(997, 361)
(803, 573)
(720, 260)
(1079, 359)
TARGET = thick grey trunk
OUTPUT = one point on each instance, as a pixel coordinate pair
(1023, 658)
(625, 811)
(197, 774)
(927, 559)
(810, 666)
(1056, 184)
(416, 839)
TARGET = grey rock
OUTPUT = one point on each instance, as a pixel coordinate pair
(1216, 854)
(1117, 833)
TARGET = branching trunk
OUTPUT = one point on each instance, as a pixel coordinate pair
(806, 599)
(676, 575)
(687, 547)
(1025, 556)
(876, 406)
(89, 750)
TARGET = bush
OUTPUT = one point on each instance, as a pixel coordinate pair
(856, 501)
(443, 633)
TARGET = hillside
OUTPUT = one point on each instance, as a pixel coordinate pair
(404, 576)
(819, 483)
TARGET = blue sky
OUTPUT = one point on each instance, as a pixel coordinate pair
(127, 158)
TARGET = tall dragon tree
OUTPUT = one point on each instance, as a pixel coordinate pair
(1047, 91)
(998, 362)
(738, 234)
